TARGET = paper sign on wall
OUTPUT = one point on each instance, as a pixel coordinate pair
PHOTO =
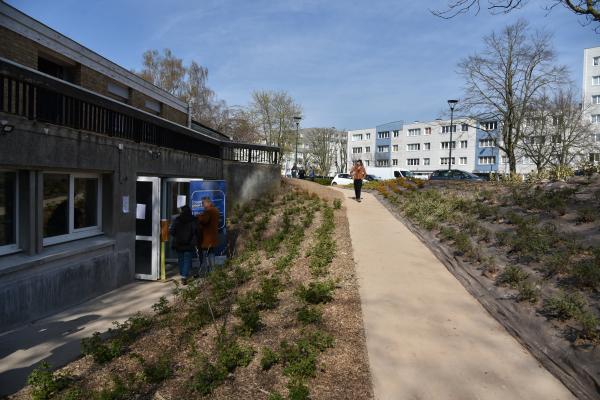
(125, 204)
(140, 211)
(181, 200)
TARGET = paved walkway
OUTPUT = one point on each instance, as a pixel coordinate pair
(56, 339)
(427, 337)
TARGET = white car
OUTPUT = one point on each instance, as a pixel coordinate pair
(342, 179)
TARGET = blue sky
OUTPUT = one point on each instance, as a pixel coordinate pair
(350, 64)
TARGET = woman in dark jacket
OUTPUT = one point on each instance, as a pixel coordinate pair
(185, 236)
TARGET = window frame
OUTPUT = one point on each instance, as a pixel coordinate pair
(14, 247)
(596, 80)
(80, 233)
(460, 161)
(596, 61)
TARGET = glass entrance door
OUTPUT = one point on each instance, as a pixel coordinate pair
(147, 228)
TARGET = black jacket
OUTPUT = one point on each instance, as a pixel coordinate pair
(184, 233)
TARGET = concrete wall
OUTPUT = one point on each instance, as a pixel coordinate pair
(44, 279)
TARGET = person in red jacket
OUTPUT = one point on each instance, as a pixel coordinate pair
(208, 226)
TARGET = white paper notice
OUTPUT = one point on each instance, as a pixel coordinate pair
(125, 204)
(181, 200)
(140, 211)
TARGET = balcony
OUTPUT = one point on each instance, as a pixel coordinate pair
(36, 96)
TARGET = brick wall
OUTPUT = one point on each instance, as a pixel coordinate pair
(17, 48)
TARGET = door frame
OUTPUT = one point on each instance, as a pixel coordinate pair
(155, 238)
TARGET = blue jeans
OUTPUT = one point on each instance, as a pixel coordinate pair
(184, 259)
(207, 260)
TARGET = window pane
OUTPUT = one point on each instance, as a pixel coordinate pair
(56, 204)
(7, 208)
(86, 202)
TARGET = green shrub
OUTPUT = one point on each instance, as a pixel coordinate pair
(512, 276)
(269, 291)
(241, 275)
(587, 273)
(447, 233)
(316, 292)
(101, 351)
(45, 383)
(300, 358)
(208, 377)
(556, 263)
(564, 306)
(119, 391)
(337, 204)
(232, 355)
(310, 315)
(298, 391)
(199, 315)
(275, 396)
(221, 284)
(248, 312)
(268, 359)
(162, 306)
(589, 326)
(528, 292)
(158, 371)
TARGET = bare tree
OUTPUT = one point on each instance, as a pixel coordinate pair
(572, 131)
(590, 9)
(273, 114)
(502, 81)
(538, 133)
(165, 71)
(322, 145)
(343, 151)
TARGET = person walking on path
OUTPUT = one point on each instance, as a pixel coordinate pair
(358, 173)
(185, 236)
(208, 225)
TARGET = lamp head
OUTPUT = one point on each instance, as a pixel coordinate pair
(452, 103)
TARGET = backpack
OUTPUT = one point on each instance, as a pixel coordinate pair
(184, 234)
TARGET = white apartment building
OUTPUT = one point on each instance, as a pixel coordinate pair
(591, 96)
(361, 145)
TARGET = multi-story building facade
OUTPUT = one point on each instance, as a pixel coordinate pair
(591, 96)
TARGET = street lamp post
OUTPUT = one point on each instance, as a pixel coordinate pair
(295, 168)
(452, 104)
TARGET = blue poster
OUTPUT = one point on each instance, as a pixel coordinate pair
(216, 191)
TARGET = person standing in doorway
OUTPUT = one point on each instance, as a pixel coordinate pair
(184, 235)
(208, 225)
(358, 173)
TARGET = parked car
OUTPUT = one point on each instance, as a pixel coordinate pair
(372, 178)
(454, 174)
(342, 179)
(403, 173)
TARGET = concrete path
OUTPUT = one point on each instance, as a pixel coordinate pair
(427, 337)
(56, 339)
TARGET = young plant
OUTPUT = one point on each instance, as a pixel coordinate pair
(269, 358)
(316, 292)
(512, 276)
(310, 315)
(45, 383)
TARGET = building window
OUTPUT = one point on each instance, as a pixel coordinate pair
(395, 147)
(426, 161)
(395, 162)
(428, 131)
(412, 161)
(487, 160)
(464, 127)
(504, 159)
(463, 144)
(413, 147)
(462, 161)
(414, 132)
(153, 106)
(121, 92)
(8, 212)
(368, 162)
(367, 136)
(444, 161)
(486, 143)
(446, 145)
(596, 119)
(367, 149)
(595, 158)
(596, 99)
(383, 149)
(383, 163)
(596, 61)
(71, 207)
(489, 125)
(396, 133)
(383, 135)
(526, 160)
(357, 137)
(446, 128)
(427, 146)
(596, 80)
(356, 150)
(596, 137)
